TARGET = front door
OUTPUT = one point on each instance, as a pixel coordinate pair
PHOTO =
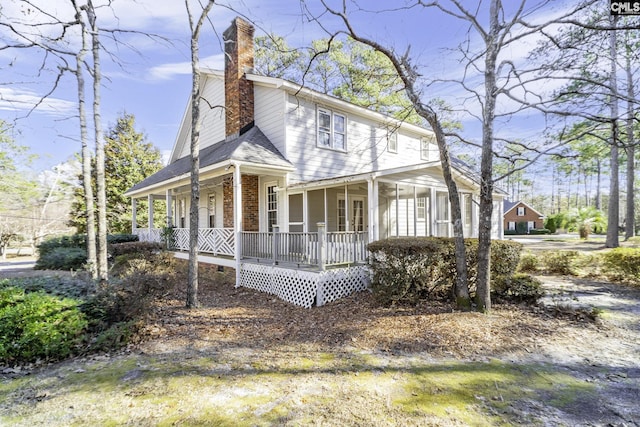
(355, 214)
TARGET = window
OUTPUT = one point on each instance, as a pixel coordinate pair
(530, 225)
(392, 141)
(511, 225)
(211, 210)
(332, 130)
(521, 211)
(272, 207)
(421, 207)
(424, 148)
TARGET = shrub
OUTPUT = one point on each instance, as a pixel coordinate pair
(559, 262)
(521, 227)
(38, 326)
(411, 269)
(137, 248)
(539, 231)
(62, 258)
(74, 241)
(519, 288)
(62, 286)
(622, 264)
(551, 224)
(529, 263)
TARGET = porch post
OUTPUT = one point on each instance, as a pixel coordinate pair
(415, 211)
(134, 213)
(373, 207)
(237, 220)
(322, 245)
(397, 211)
(169, 208)
(347, 210)
(274, 243)
(434, 214)
(150, 211)
(376, 210)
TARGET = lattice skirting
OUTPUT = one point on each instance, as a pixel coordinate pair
(304, 288)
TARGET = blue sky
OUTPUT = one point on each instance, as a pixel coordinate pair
(152, 80)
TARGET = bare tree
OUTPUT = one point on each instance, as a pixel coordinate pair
(103, 268)
(196, 27)
(614, 185)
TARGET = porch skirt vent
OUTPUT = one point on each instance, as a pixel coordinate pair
(305, 288)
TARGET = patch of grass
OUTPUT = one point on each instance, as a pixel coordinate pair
(483, 393)
(336, 389)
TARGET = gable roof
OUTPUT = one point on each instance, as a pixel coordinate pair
(510, 205)
(250, 147)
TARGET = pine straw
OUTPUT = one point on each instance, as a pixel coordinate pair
(232, 317)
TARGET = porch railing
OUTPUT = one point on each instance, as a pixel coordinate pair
(148, 234)
(318, 249)
(216, 241)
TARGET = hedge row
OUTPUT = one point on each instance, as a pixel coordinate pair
(414, 268)
(69, 252)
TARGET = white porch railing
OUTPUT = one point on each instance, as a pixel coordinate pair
(148, 234)
(216, 241)
(305, 249)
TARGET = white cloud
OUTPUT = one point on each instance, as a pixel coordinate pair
(167, 71)
(20, 99)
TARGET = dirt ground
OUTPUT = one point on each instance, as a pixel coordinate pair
(245, 325)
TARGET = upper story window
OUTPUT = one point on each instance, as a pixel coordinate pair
(392, 141)
(424, 148)
(332, 130)
(521, 211)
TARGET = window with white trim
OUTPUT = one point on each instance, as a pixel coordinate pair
(272, 207)
(211, 210)
(521, 211)
(182, 213)
(332, 129)
(424, 148)
(421, 208)
(511, 225)
(392, 141)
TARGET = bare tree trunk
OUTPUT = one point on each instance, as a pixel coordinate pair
(629, 229)
(483, 291)
(103, 271)
(86, 154)
(614, 186)
(192, 286)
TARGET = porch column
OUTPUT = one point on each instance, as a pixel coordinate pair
(397, 211)
(237, 217)
(305, 212)
(372, 195)
(150, 211)
(434, 215)
(134, 213)
(347, 212)
(415, 211)
(169, 208)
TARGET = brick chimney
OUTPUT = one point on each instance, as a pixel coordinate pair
(238, 98)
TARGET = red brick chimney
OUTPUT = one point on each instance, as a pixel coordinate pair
(238, 49)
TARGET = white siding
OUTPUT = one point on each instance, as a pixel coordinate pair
(213, 122)
(366, 146)
(269, 106)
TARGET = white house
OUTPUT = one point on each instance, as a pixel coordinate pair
(295, 183)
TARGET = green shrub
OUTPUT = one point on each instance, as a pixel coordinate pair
(622, 264)
(62, 286)
(135, 248)
(529, 263)
(411, 269)
(114, 239)
(551, 224)
(78, 241)
(560, 262)
(539, 231)
(62, 258)
(519, 288)
(38, 326)
(522, 227)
